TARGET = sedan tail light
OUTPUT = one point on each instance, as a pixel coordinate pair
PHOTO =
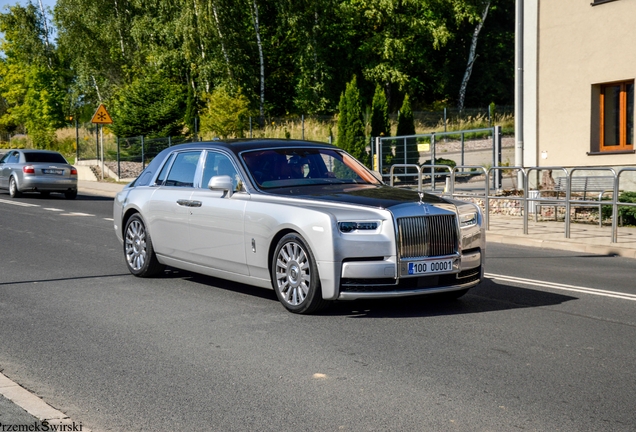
(73, 171)
(28, 169)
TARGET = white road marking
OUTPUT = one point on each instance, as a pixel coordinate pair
(563, 287)
(53, 209)
(18, 203)
(76, 214)
(109, 219)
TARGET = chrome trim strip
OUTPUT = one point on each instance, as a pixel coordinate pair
(406, 293)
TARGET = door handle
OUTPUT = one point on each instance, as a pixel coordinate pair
(195, 204)
(184, 203)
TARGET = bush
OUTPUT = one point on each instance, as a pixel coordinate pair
(627, 215)
(441, 161)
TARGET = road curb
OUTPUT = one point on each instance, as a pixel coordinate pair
(561, 245)
(33, 404)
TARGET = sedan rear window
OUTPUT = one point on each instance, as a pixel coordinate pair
(44, 157)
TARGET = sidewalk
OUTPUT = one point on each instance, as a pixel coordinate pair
(587, 238)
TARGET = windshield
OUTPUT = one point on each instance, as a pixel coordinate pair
(302, 167)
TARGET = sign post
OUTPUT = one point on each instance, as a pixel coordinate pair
(101, 117)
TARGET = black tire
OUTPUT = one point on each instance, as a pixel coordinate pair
(138, 251)
(70, 195)
(13, 188)
(45, 194)
(295, 276)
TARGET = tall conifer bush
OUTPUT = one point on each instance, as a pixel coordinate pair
(350, 123)
(405, 127)
(380, 124)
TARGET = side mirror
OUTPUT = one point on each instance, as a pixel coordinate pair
(222, 182)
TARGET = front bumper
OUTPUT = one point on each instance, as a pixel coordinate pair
(378, 279)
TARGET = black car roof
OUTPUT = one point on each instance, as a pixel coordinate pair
(239, 145)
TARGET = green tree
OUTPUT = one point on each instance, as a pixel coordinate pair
(225, 115)
(380, 124)
(406, 127)
(350, 123)
(150, 106)
(31, 84)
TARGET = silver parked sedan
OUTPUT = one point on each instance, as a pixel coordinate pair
(40, 171)
(303, 218)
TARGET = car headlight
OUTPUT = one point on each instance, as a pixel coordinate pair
(467, 220)
(360, 226)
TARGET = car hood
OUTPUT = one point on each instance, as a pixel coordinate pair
(368, 195)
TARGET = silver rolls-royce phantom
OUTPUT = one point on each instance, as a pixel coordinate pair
(303, 218)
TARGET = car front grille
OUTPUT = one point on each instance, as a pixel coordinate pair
(427, 236)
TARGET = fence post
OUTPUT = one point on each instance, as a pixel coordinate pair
(378, 154)
(250, 126)
(118, 164)
(445, 122)
(97, 143)
(169, 141)
(433, 161)
(77, 156)
(463, 144)
(143, 159)
(405, 155)
(496, 136)
(302, 119)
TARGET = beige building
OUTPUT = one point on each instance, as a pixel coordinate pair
(579, 66)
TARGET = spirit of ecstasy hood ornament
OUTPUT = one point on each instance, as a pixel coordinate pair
(422, 203)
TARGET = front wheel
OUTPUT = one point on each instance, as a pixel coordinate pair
(13, 188)
(295, 276)
(140, 255)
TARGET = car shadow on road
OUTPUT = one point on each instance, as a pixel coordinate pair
(489, 296)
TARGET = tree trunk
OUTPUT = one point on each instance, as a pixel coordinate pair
(46, 34)
(119, 25)
(218, 29)
(471, 58)
(260, 55)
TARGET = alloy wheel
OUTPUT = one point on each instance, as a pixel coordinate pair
(293, 274)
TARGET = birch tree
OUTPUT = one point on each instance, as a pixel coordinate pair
(255, 20)
(472, 56)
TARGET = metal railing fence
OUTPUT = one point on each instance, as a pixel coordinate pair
(570, 201)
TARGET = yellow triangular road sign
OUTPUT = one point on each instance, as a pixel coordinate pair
(101, 116)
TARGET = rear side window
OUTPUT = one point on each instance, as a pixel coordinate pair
(13, 157)
(44, 157)
(183, 169)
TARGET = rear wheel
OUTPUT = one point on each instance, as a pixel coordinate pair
(140, 255)
(295, 276)
(72, 194)
(13, 188)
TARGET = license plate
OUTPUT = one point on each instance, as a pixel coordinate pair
(53, 171)
(427, 267)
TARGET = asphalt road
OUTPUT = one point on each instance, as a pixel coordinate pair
(187, 352)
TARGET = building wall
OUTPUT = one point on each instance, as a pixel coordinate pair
(579, 47)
